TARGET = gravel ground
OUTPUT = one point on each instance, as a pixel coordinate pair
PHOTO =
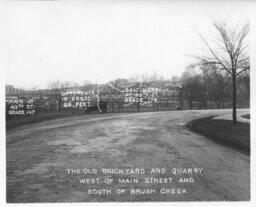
(39, 156)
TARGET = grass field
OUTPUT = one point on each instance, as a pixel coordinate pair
(247, 116)
(224, 132)
(20, 121)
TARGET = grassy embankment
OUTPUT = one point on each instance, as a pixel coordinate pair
(246, 116)
(17, 121)
(20, 121)
(224, 132)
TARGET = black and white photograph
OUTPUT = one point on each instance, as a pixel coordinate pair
(127, 101)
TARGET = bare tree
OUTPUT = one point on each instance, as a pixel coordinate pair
(57, 87)
(191, 86)
(228, 52)
(86, 83)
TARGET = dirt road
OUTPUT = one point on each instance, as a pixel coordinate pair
(40, 158)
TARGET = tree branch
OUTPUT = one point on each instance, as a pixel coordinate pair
(247, 68)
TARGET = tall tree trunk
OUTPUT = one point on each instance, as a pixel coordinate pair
(223, 104)
(138, 106)
(218, 107)
(205, 96)
(190, 103)
(234, 98)
(59, 102)
(113, 106)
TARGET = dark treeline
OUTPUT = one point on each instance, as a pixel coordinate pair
(198, 87)
(203, 88)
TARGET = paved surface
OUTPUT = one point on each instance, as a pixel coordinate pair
(39, 156)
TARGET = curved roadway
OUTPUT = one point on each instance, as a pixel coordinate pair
(39, 156)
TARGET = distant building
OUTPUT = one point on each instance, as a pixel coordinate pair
(11, 90)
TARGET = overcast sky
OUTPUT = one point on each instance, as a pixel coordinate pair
(100, 41)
